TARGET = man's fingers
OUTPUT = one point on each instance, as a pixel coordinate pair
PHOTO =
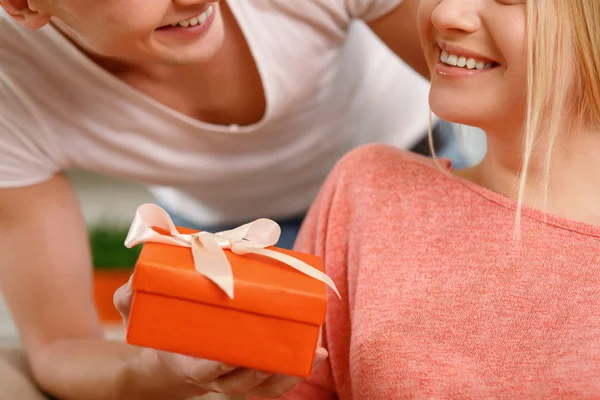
(275, 387)
(122, 300)
(212, 376)
(278, 385)
(239, 382)
(198, 371)
(320, 356)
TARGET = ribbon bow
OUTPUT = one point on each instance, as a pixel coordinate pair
(208, 248)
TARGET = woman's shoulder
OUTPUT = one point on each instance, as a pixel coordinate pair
(381, 169)
(375, 185)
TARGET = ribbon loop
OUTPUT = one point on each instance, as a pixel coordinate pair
(208, 248)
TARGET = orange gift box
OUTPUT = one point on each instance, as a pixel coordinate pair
(272, 324)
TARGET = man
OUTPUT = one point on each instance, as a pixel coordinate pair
(228, 110)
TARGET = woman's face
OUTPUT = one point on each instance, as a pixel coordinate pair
(476, 51)
(141, 30)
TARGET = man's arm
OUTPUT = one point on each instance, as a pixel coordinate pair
(45, 276)
(398, 29)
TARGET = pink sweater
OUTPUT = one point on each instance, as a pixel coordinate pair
(439, 301)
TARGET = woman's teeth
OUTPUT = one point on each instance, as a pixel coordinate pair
(462, 62)
(200, 19)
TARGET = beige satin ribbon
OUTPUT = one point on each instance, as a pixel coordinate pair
(207, 248)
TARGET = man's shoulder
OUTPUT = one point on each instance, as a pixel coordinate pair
(39, 70)
(16, 39)
(25, 55)
(8, 26)
(43, 50)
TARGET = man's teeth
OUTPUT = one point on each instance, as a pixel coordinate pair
(200, 19)
(462, 62)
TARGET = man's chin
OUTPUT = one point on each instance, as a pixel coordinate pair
(189, 57)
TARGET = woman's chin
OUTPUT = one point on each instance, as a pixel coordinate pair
(458, 115)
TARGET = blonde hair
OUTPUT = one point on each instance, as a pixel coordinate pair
(563, 79)
(563, 72)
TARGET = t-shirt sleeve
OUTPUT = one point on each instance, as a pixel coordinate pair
(370, 10)
(27, 153)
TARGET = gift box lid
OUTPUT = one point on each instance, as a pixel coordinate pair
(262, 285)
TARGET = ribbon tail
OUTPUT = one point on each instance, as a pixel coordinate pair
(293, 262)
(210, 260)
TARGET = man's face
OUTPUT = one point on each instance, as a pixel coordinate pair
(176, 32)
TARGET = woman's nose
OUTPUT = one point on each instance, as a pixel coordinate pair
(457, 16)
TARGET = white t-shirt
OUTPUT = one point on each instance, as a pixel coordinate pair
(330, 85)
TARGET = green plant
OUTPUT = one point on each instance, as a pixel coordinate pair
(108, 248)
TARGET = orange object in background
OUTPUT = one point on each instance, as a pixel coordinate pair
(272, 324)
(105, 284)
